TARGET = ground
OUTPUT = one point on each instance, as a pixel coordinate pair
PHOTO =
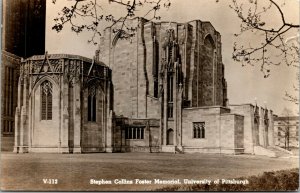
(74, 171)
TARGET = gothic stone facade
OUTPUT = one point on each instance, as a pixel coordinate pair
(64, 105)
(169, 83)
(167, 94)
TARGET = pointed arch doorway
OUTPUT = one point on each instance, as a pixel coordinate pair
(170, 137)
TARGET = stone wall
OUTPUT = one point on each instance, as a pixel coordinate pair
(92, 139)
(153, 108)
(249, 129)
(150, 141)
(136, 63)
(67, 129)
(207, 68)
(223, 131)
(127, 59)
(45, 133)
(258, 126)
(232, 133)
(239, 132)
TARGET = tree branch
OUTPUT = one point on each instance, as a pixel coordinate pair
(90, 9)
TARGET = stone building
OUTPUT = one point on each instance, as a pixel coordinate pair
(171, 77)
(23, 35)
(9, 80)
(24, 23)
(64, 105)
(258, 127)
(286, 130)
(165, 92)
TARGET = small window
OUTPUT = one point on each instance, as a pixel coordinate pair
(199, 130)
(134, 133)
(46, 100)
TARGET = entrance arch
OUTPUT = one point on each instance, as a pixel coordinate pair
(170, 137)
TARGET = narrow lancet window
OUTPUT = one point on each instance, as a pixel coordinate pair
(46, 100)
(92, 106)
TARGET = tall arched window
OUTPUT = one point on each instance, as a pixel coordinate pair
(205, 73)
(92, 105)
(46, 100)
(170, 95)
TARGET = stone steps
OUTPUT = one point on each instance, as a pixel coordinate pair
(279, 153)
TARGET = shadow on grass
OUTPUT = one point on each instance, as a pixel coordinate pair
(283, 180)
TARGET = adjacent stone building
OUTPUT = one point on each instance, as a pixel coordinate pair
(9, 79)
(258, 127)
(286, 130)
(23, 35)
(161, 90)
(24, 23)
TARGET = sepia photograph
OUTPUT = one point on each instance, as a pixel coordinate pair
(150, 95)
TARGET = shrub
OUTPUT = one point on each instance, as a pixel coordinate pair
(283, 180)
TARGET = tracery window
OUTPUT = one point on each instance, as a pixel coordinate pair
(46, 100)
(199, 130)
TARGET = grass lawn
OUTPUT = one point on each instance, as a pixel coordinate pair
(74, 171)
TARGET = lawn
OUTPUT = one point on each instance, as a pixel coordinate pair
(74, 171)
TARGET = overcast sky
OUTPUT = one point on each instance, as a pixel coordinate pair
(244, 83)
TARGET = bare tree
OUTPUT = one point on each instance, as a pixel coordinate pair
(94, 15)
(293, 98)
(285, 129)
(274, 46)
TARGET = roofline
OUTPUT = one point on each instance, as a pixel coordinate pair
(244, 104)
(4, 52)
(235, 114)
(286, 117)
(60, 56)
(250, 105)
(160, 22)
(206, 107)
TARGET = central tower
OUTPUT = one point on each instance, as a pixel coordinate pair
(171, 91)
(164, 70)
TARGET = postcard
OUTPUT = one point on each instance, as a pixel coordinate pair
(150, 95)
